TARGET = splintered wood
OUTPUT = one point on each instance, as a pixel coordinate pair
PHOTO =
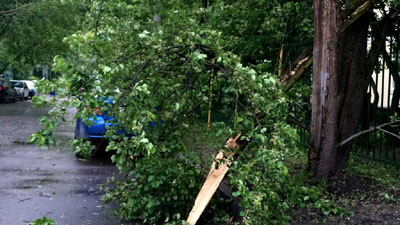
(215, 177)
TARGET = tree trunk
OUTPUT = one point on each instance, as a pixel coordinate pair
(356, 68)
(322, 153)
(352, 83)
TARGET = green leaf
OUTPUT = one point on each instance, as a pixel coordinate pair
(236, 194)
(32, 138)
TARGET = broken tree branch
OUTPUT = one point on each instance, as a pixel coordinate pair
(350, 7)
(300, 67)
(372, 129)
(349, 15)
(388, 132)
(355, 15)
(379, 40)
(215, 177)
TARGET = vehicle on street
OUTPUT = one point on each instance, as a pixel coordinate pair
(22, 89)
(96, 130)
(7, 92)
(31, 86)
(98, 125)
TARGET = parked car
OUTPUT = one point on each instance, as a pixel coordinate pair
(98, 127)
(96, 130)
(22, 89)
(31, 86)
(7, 93)
(99, 124)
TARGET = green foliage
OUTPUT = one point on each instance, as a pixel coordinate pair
(50, 122)
(257, 29)
(83, 149)
(158, 190)
(159, 72)
(43, 221)
(32, 33)
(299, 96)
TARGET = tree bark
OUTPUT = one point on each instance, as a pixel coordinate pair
(322, 153)
(348, 80)
(356, 69)
(352, 83)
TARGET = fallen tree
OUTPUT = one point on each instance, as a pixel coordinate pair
(158, 71)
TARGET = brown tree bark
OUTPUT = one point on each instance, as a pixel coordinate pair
(322, 153)
(352, 83)
(340, 80)
(355, 70)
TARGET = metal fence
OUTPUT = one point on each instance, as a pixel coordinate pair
(380, 108)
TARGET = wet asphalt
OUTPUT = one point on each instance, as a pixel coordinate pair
(47, 181)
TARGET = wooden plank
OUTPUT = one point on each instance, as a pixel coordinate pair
(215, 177)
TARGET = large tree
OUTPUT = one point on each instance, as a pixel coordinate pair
(341, 74)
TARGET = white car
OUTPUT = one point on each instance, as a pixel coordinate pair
(31, 86)
(22, 89)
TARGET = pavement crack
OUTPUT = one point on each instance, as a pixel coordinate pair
(25, 199)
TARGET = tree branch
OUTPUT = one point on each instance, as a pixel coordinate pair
(378, 44)
(299, 68)
(350, 7)
(374, 88)
(388, 132)
(361, 10)
(12, 12)
(368, 131)
(142, 67)
(294, 121)
(350, 15)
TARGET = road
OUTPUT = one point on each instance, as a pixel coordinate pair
(39, 181)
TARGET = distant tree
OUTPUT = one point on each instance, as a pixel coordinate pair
(33, 31)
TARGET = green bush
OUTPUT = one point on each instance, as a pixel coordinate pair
(158, 190)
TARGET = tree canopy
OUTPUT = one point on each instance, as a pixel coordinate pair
(33, 30)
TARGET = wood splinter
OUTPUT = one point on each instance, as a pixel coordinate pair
(215, 177)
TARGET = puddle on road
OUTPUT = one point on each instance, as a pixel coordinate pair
(26, 187)
(19, 142)
(34, 183)
(87, 191)
(8, 169)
